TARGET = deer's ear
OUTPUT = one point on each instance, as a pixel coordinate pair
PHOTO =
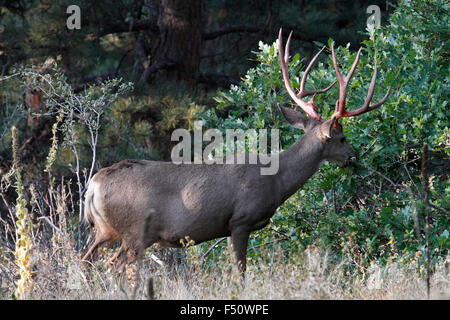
(326, 129)
(295, 118)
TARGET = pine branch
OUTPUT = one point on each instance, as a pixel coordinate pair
(232, 29)
(120, 27)
(249, 28)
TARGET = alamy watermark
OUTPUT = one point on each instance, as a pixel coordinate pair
(74, 20)
(374, 19)
(235, 143)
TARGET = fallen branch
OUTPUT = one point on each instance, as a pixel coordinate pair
(268, 242)
(46, 219)
(10, 76)
(157, 260)
(212, 247)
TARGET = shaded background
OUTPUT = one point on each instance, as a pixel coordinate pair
(178, 53)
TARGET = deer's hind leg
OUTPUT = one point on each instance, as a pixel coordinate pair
(132, 249)
(105, 236)
(127, 254)
(92, 253)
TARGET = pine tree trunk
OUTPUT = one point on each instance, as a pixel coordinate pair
(175, 51)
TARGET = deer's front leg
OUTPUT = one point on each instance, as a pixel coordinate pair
(239, 238)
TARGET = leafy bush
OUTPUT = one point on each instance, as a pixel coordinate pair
(372, 210)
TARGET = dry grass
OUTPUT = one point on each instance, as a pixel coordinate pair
(310, 276)
(59, 274)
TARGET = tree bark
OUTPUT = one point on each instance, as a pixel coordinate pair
(175, 49)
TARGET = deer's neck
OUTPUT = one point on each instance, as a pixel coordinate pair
(297, 164)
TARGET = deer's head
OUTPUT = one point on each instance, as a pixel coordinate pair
(328, 133)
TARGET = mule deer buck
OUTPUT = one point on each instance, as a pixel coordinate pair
(145, 202)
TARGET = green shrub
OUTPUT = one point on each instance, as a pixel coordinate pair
(357, 211)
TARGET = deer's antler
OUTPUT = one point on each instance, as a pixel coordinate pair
(339, 111)
(309, 107)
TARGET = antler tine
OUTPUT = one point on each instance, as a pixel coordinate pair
(303, 92)
(366, 106)
(340, 80)
(288, 45)
(343, 82)
(340, 111)
(309, 107)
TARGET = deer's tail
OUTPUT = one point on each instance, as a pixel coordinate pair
(89, 214)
